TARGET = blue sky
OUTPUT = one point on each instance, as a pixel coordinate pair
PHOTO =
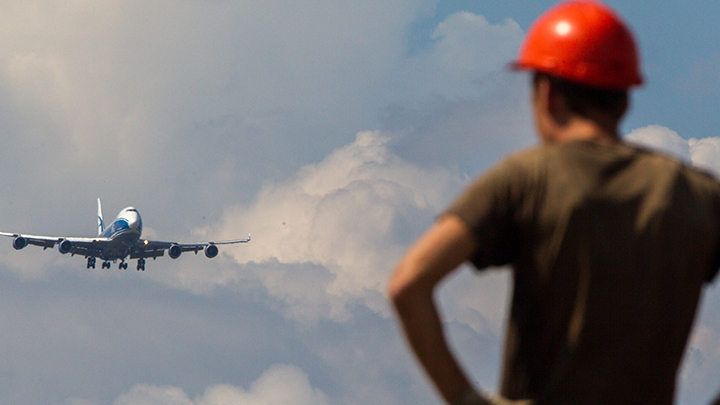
(334, 132)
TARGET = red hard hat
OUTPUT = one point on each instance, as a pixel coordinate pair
(582, 41)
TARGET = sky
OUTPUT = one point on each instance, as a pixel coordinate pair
(333, 131)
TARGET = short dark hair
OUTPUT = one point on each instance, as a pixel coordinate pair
(582, 99)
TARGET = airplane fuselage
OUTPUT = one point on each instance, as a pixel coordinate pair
(124, 232)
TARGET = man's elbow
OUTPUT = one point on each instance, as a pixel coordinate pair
(406, 287)
(397, 289)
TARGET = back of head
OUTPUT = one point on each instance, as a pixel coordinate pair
(587, 101)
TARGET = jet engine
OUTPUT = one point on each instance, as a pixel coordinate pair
(19, 242)
(174, 251)
(65, 246)
(211, 251)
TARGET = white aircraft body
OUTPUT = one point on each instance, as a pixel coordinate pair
(118, 241)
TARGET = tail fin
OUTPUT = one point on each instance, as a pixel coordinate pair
(101, 223)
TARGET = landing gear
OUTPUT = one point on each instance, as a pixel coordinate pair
(122, 266)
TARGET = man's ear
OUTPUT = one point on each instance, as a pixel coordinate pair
(541, 92)
(557, 104)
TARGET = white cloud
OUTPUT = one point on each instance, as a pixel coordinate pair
(702, 153)
(706, 154)
(330, 236)
(478, 300)
(353, 214)
(661, 138)
(466, 48)
(280, 385)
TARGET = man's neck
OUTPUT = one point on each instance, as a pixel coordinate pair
(578, 128)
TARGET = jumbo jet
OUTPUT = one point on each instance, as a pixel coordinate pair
(118, 241)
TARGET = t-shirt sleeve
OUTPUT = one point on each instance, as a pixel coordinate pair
(488, 207)
(715, 267)
(713, 275)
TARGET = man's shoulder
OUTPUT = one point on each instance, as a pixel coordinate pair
(661, 158)
(529, 158)
(528, 154)
(539, 160)
(659, 163)
(702, 179)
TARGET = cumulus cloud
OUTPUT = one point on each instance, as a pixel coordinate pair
(706, 154)
(466, 49)
(326, 239)
(353, 214)
(661, 138)
(280, 385)
(702, 153)
(478, 300)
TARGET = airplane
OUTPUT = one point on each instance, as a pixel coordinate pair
(118, 241)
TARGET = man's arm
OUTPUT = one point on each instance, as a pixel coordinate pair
(446, 245)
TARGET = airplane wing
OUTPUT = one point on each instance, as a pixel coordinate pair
(153, 248)
(104, 248)
(76, 246)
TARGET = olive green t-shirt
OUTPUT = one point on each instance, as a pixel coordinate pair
(610, 245)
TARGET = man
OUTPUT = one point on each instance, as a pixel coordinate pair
(610, 244)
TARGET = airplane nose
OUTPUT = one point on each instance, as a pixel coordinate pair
(137, 222)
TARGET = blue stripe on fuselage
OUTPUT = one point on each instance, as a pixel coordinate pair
(118, 226)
